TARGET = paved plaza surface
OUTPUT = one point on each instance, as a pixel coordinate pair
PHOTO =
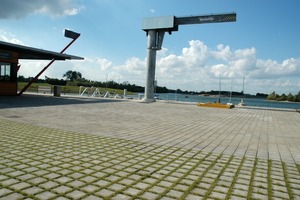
(92, 148)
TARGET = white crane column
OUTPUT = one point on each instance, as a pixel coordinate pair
(151, 62)
(155, 39)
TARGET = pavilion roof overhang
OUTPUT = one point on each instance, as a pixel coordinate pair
(25, 52)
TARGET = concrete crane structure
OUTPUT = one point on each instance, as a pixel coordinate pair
(156, 28)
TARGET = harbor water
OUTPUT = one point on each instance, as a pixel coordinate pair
(256, 102)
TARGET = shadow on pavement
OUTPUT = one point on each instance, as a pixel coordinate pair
(28, 100)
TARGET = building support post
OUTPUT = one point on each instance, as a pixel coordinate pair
(74, 37)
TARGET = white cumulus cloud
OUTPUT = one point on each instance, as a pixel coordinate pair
(197, 68)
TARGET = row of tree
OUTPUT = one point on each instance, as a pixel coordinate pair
(74, 78)
(283, 97)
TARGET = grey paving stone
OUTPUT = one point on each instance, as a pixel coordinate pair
(116, 187)
(40, 172)
(48, 185)
(157, 189)
(149, 195)
(241, 187)
(45, 195)
(199, 191)
(193, 197)
(233, 197)
(52, 176)
(65, 171)
(9, 182)
(6, 170)
(32, 190)
(221, 189)
(240, 193)
(76, 194)
(37, 180)
(121, 196)
(76, 175)
(132, 191)
(167, 198)
(175, 194)
(259, 196)
(63, 179)
(3, 177)
(165, 184)
(217, 195)
(112, 178)
(4, 192)
(204, 185)
(92, 197)
(62, 189)
(15, 173)
(186, 181)
(105, 193)
(281, 195)
(89, 188)
(12, 196)
(61, 198)
(101, 174)
(243, 181)
(20, 186)
(88, 179)
(260, 190)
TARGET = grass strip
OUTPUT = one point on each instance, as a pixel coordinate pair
(251, 179)
(217, 179)
(235, 179)
(186, 174)
(287, 183)
(195, 183)
(270, 192)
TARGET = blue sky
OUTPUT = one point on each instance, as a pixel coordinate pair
(263, 44)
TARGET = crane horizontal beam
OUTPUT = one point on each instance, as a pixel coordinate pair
(171, 23)
(202, 19)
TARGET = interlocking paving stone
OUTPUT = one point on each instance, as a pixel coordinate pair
(32, 190)
(62, 189)
(92, 197)
(49, 185)
(76, 194)
(148, 160)
(4, 191)
(45, 195)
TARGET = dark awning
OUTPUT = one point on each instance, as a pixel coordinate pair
(25, 52)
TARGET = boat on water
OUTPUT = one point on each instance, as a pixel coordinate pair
(216, 105)
(242, 103)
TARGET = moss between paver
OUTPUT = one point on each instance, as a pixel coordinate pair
(40, 162)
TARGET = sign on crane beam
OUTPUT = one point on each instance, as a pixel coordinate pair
(213, 18)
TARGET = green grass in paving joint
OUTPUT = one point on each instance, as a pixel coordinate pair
(37, 161)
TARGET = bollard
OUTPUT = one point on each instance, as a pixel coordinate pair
(57, 90)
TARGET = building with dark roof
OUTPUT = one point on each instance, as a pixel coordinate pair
(9, 63)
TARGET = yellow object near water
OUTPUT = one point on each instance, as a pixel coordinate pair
(216, 105)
